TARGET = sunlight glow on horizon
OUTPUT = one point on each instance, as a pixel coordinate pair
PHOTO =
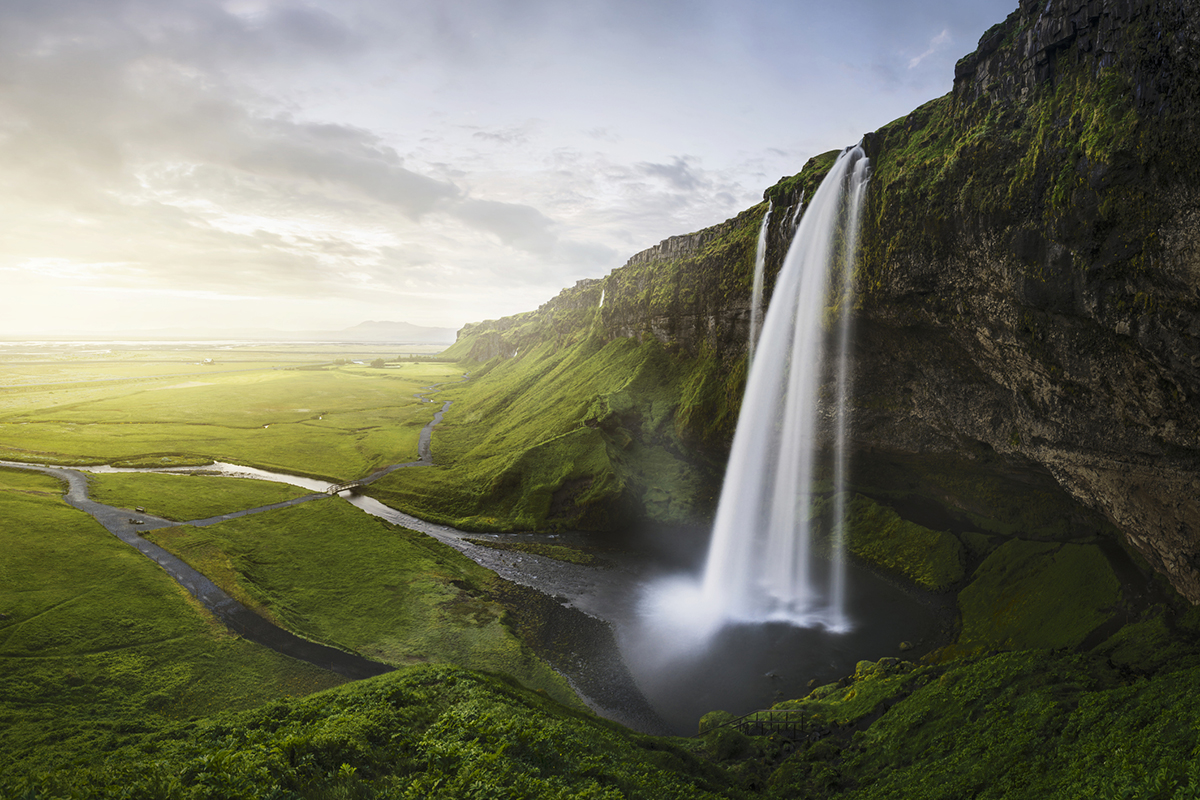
(332, 163)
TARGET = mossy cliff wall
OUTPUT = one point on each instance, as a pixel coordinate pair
(1030, 277)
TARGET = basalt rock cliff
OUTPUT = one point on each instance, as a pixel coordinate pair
(1029, 283)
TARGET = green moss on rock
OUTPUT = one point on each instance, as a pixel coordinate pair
(1036, 594)
(872, 685)
(878, 535)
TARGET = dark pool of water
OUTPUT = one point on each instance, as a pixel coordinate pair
(745, 667)
(741, 668)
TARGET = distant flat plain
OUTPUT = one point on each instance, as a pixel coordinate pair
(99, 648)
(313, 409)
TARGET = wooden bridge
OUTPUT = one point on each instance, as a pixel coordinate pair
(341, 487)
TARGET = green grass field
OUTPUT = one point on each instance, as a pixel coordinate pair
(187, 497)
(100, 647)
(336, 423)
(331, 573)
(97, 642)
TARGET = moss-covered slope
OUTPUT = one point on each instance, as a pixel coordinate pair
(1016, 725)
(574, 432)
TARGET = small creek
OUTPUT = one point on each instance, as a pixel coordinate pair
(628, 673)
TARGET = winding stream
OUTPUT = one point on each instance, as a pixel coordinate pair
(626, 675)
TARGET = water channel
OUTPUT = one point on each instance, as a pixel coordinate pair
(634, 671)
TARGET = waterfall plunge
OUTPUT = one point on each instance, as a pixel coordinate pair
(760, 566)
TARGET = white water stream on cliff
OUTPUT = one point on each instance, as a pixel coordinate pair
(760, 263)
(763, 564)
(799, 210)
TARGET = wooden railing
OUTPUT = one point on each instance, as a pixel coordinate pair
(792, 724)
(787, 724)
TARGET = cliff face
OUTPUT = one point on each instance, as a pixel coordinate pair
(1030, 276)
(1036, 287)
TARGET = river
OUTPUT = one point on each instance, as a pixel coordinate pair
(743, 668)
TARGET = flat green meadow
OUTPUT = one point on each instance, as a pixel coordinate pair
(335, 422)
(329, 572)
(184, 497)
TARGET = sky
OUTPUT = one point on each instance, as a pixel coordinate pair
(312, 165)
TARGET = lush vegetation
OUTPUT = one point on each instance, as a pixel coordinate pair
(395, 596)
(1024, 724)
(878, 535)
(1037, 594)
(1015, 725)
(425, 732)
(97, 643)
(574, 434)
(188, 496)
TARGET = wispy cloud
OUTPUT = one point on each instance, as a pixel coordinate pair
(935, 44)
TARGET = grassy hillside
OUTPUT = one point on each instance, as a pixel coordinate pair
(578, 433)
(1017, 725)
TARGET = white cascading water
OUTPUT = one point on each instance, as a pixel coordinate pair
(760, 263)
(796, 213)
(760, 566)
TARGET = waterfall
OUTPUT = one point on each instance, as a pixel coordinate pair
(760, 566)
(601, 298)
(796, 213)
(760, 262)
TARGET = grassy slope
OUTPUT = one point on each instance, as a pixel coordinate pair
(426, 732)
(97, 642)
(578, 434)
(187, 497)
(331, 423)
(329, 572)
(876, 534)
(1014, 725)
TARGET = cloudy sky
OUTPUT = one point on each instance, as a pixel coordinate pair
(303, 164)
